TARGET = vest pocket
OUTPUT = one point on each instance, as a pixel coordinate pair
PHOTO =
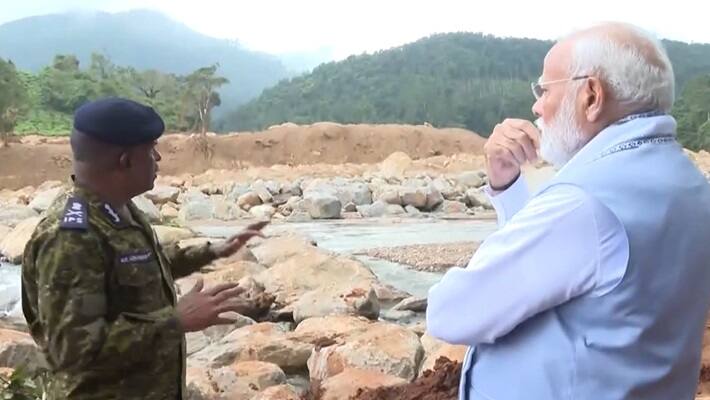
(137, 287)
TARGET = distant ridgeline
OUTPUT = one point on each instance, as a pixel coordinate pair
(450, 80)
(462, 80)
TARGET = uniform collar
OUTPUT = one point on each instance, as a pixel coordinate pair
(107, 211)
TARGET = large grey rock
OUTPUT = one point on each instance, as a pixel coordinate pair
(11, 215)
(169, 211)
(169, 234)
(293, 188)
(336, 301)
(346, 191)
(196, 210)
(162, 194)
(264, 211)
(433, 199)
(394, 209)
(236, 191)
(453, 207)
(416, 197)
(470, 179)
(445, 188)
(323, 205)
(44, 199)
(248, 200)
(374, 210)
(13, 245)
(390, 196)
(192, 195)
(226, 210)
(147, 207)
(262, 191)
(357, 193)
(478, 198)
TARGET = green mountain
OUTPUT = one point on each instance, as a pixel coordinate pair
(143, 40)
(455, 79)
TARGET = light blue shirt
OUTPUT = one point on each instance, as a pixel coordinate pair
(548, 250)
(598, 287)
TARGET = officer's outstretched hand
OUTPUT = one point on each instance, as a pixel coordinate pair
(236, 242)
(199, 309)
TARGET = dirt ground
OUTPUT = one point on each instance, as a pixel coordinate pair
(441, 383)
(32, 160)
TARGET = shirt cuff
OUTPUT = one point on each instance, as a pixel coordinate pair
(507, 203)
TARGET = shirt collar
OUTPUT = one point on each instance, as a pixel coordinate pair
(635, 127)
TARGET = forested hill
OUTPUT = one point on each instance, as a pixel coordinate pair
(449, 80)
(141, 39)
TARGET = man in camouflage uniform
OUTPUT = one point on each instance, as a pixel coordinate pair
(97, 287)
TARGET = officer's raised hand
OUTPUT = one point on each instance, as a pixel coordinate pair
(236, 242)
(199, 309)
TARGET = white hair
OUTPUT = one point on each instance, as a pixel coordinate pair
(631, 61)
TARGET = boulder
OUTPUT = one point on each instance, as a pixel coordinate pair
(395, 165)
(478, 198)
(168, 234)
(383, 347)
(11, 215)
(266, 341)
(162, 194)
(45, 198)
(13, 245)
(323, 206)
(347, 384)
(147, 207)
(435, 348)
(248, 200)
(17, 349)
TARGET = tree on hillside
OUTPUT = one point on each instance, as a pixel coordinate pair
(13, 99)
(64, 87)
(201, 94)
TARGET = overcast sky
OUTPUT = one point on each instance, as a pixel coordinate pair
(352, 27)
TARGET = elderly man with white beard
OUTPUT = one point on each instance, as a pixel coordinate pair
(598, 285)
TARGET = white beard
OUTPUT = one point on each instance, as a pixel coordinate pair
(562, 138)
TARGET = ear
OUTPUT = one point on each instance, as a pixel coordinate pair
(594, 99)
(124, 161)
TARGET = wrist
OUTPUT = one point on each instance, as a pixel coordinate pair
(505, 187)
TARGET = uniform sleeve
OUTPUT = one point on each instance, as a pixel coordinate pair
(71, 289)
(185, 261)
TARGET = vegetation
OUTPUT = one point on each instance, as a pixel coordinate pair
(44, 102)
(456, 80)
(448, 80)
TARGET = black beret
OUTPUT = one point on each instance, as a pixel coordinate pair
(119, 121)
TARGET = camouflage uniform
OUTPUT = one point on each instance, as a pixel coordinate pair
(98, 295)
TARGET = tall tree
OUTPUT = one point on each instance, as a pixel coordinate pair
(201, 93)
(13, 99)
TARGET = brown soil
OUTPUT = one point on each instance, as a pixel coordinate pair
(33, 160)
(442, 383)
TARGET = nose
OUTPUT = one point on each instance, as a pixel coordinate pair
(156, 155)
(537, 108)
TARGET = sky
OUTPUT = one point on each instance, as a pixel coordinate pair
(354, 27)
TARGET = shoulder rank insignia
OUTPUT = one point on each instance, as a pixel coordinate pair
(75, 214)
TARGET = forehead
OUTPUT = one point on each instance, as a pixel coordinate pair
(557, 61)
